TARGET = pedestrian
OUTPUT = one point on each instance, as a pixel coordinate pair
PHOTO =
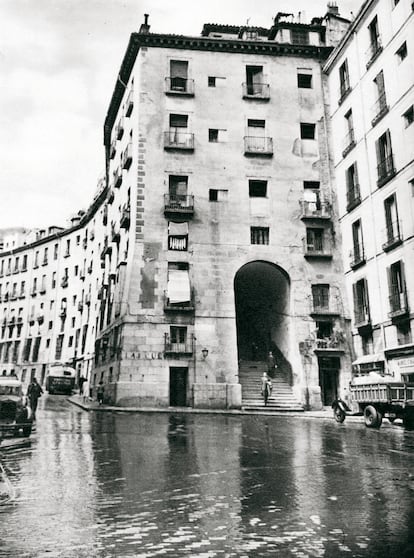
(100, 392)
(266, 387)
(271, 364)
(82, 381)
(254, 350)
(86, 390)
(34, 391)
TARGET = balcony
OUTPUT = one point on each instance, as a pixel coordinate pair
(127, 157)
(181, 205)
(319, 248)
(62, 313)
(177, 140)
(90, 268)
(111, 196)
(125, 217)
(386, 170)
(130, 103)
(187, 306)
(65, 281)
(80, 306)
(379, 109)
(112, 149)
(256, 91)
(362, 319)
(117, 178)
(115, 236)
(373, 51)
(32, 321)
(66, 254)
(332, 343)
(33, 292)
(12, 321)
(40, 319)
(315, 209)
(179, 86)
(82, 275)
(392, 235)
(176, 349)
(16, 270)
(42, 290)
(13, 296)
(88, 299)
(348, 143)
(119, 129)
(357, 257)
(353, 197)
(22, 295)
(258, 146)
(106, 248)
(85, 243)
(325, 304)
(398, 303)
(45, 261)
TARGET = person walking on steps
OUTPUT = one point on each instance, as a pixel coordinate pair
(34, 391)
(100, 392)
(271, 364)
(266, 387)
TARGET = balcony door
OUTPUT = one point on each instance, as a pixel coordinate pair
(178, 129)
(254, 80)
(329, 378)
(178, 75)
(391, 219)
(256, 134)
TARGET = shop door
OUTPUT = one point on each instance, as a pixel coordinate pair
(178, 386)
(329, 378)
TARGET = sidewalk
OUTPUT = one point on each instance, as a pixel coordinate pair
(89, 405)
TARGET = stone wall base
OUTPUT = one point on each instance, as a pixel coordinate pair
(217, 396)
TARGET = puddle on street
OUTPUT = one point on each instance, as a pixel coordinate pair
(145, 485)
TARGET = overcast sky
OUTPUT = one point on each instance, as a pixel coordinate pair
(58, 63)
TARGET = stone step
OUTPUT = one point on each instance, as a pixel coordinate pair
(292, 408)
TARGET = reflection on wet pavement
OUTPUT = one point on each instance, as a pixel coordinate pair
(144, 485)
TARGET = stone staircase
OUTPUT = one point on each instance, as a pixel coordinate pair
(282, 398)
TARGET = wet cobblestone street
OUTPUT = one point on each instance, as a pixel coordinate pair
(118, 484)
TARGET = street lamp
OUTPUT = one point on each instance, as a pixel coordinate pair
(204, 352)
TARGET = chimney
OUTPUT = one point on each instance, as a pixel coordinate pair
(144, 26)
(333, 8)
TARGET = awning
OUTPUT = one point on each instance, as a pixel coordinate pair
(366, 359)
(177, 229)
(178, 289)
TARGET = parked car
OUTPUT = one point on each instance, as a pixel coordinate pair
(15, 416)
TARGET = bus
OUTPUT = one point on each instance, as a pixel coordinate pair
(60, 379)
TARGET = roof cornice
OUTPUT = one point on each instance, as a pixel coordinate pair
(209, 44)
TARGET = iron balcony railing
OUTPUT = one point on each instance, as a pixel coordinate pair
(318, 247)
(112, 149)
(392, 235)
(129, 103)
(259, 91)
(179, 86)
(357, 256)
(379, 109)
(353, 196)
(127, 156)
(175, 139)
(361, 316)
(179, 203)
(373, 50)
(330, 343)
(386, 169)
(316, 209)
(348, 143)
(119, 129)
(325, 303)
(117, 178)
(398, 301)
(178, 347)
(125, 217)
(258, 145)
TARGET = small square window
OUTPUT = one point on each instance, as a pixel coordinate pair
(211, 81)
(311, 184)
(217, 195)
(409, 116)
(307, 131)
(259, 235)
(304, 81)
(402, 52)
(213, 135)
(257, 188)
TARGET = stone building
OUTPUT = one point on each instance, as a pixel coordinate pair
(223, 240)
(371, 84)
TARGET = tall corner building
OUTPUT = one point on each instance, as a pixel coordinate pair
(371, 84)
(223, 239)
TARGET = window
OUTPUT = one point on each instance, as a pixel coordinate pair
(26, 350)
(299, 36)
(307, 131)
(67, 253)
(257, 188)
(259, 235)
(409, 116)
(213, 135)
(305, 79)
(177, 189)
(380, 107)
(16, 264)
(402, 52)
(217, 195)
(50, 326)
(45, 256)
(397, 289)
(361, 302)
(367, 342)
(53, 279)
(311, 184)
(36, 259)
(70, 342)
(374, 37)
(404, 336)
(357, 243)
(385, 163)
(255, 85)
(349, 140)
(344, 79)
(324, 330)
(178, 236)
(352, 187)
(178, 120)
(59, 345)
(320, 297)
(178, 284)
(78, 240)
(36, 347)
(211, 80)
(395, 2)
(178, 75)
(178, 338)
(24, 264)
(55, 251)
(314, 240)
(392, 230)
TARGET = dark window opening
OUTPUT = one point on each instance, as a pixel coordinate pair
(311, 184)
(402, 51)
(305, 81)
(213, 195)
(213, 135)
(259, 235)
(211, 81)
(307, 131)
(257, 188)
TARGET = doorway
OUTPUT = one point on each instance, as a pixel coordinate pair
(178, 386)
(329, 378)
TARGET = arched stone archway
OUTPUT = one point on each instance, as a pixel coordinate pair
(262, 300)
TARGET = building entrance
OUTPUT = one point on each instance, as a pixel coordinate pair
(329, 378)
(178, 386)
(261, 292)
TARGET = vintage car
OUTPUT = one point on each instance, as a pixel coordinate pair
(15, 416)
